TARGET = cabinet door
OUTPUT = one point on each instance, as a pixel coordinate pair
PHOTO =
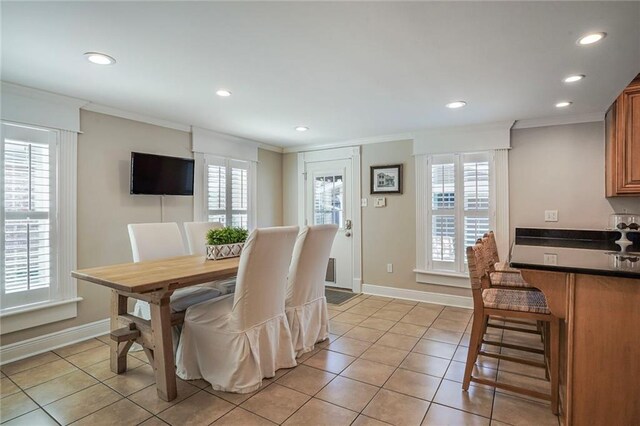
(622, 134)
(630, 173)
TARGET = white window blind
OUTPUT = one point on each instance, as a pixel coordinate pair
(228, 192)
(460, 209)
(28, 215)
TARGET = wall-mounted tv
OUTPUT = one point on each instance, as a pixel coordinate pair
(161, 175)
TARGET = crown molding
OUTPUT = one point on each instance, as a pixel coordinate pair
(559, 120)
(134, 116)
(350, 142)
(43, 95)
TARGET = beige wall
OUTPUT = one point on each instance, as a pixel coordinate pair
(561, 168)
(388, 233)
(558, 167)
(290, 189)
(105, 206)
(269, 188)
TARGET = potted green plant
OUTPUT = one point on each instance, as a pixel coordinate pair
(225, 242)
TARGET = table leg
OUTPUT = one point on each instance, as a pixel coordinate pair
(118, 307)
(164, 364)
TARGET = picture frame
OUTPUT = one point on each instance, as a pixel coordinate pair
(386, 179)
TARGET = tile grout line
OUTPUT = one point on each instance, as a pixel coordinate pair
(317, 350)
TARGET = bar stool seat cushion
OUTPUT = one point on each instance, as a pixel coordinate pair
(515, 300)
(508, 279)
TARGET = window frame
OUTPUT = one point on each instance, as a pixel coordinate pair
(61, 302)
(228, 163)
(39, 136)
(427, 269)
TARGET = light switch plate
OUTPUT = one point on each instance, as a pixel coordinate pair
(380, 202)
(550, 259)
(364, 202)
(389, 267)
(551, 215)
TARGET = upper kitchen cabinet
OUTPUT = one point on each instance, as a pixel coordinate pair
(622, 124)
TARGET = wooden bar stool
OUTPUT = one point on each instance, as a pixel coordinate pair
(500, 274)
(516, 304)
(503, 276)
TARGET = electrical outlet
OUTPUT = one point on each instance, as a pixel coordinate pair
(550, 259)
(551, 215)
(364, 202)
(389, 267)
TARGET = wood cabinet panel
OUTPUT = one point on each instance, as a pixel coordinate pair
(622, 135)
(604, 382)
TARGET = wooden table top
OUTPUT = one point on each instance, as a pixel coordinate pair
(173, 273)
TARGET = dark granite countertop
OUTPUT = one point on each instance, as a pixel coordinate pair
(584, 252)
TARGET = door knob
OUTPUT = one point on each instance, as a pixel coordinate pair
(347, 234)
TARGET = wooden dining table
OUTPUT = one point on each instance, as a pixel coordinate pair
(153, 282)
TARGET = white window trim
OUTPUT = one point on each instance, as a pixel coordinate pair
(200, 190)
(64, 305)
(499, 218)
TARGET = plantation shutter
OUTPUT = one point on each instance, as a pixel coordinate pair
(239, 193)
(228, 192)
(461, 209)
(443, 221)
(217, 193)
(476, 197)
(28, 216)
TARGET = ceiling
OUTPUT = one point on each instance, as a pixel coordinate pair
(346, 70)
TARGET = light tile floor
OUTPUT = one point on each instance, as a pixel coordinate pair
(387, 362)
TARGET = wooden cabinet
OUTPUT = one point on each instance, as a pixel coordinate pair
(599, 345)
(622, 134)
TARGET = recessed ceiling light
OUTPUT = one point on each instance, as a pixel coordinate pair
(591, 38)
(223, 92)
(99, 58)
(563, 104)
(302, 128)
(574, 78)
(456, 104)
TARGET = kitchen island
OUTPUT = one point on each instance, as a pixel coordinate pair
(595, 290)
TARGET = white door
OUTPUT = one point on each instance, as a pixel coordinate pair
(328, 200)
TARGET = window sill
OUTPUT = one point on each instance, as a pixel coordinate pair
(444, 278)
(17, 319)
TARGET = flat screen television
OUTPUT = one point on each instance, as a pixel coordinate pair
(161, 175)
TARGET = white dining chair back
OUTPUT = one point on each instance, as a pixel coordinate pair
(151, 241)
(262, 276)
(251, 326)
(196, 233)
(306, 305)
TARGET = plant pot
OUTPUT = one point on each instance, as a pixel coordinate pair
(224, 251)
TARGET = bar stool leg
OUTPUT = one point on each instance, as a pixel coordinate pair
(554, 337)
(477, 331)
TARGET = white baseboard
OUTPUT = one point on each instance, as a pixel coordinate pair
(47, 342)
(419, 296)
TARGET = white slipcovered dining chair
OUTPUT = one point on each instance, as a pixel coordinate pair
(234, 342)
(151, 241)
(196, 233)
(306, 304)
